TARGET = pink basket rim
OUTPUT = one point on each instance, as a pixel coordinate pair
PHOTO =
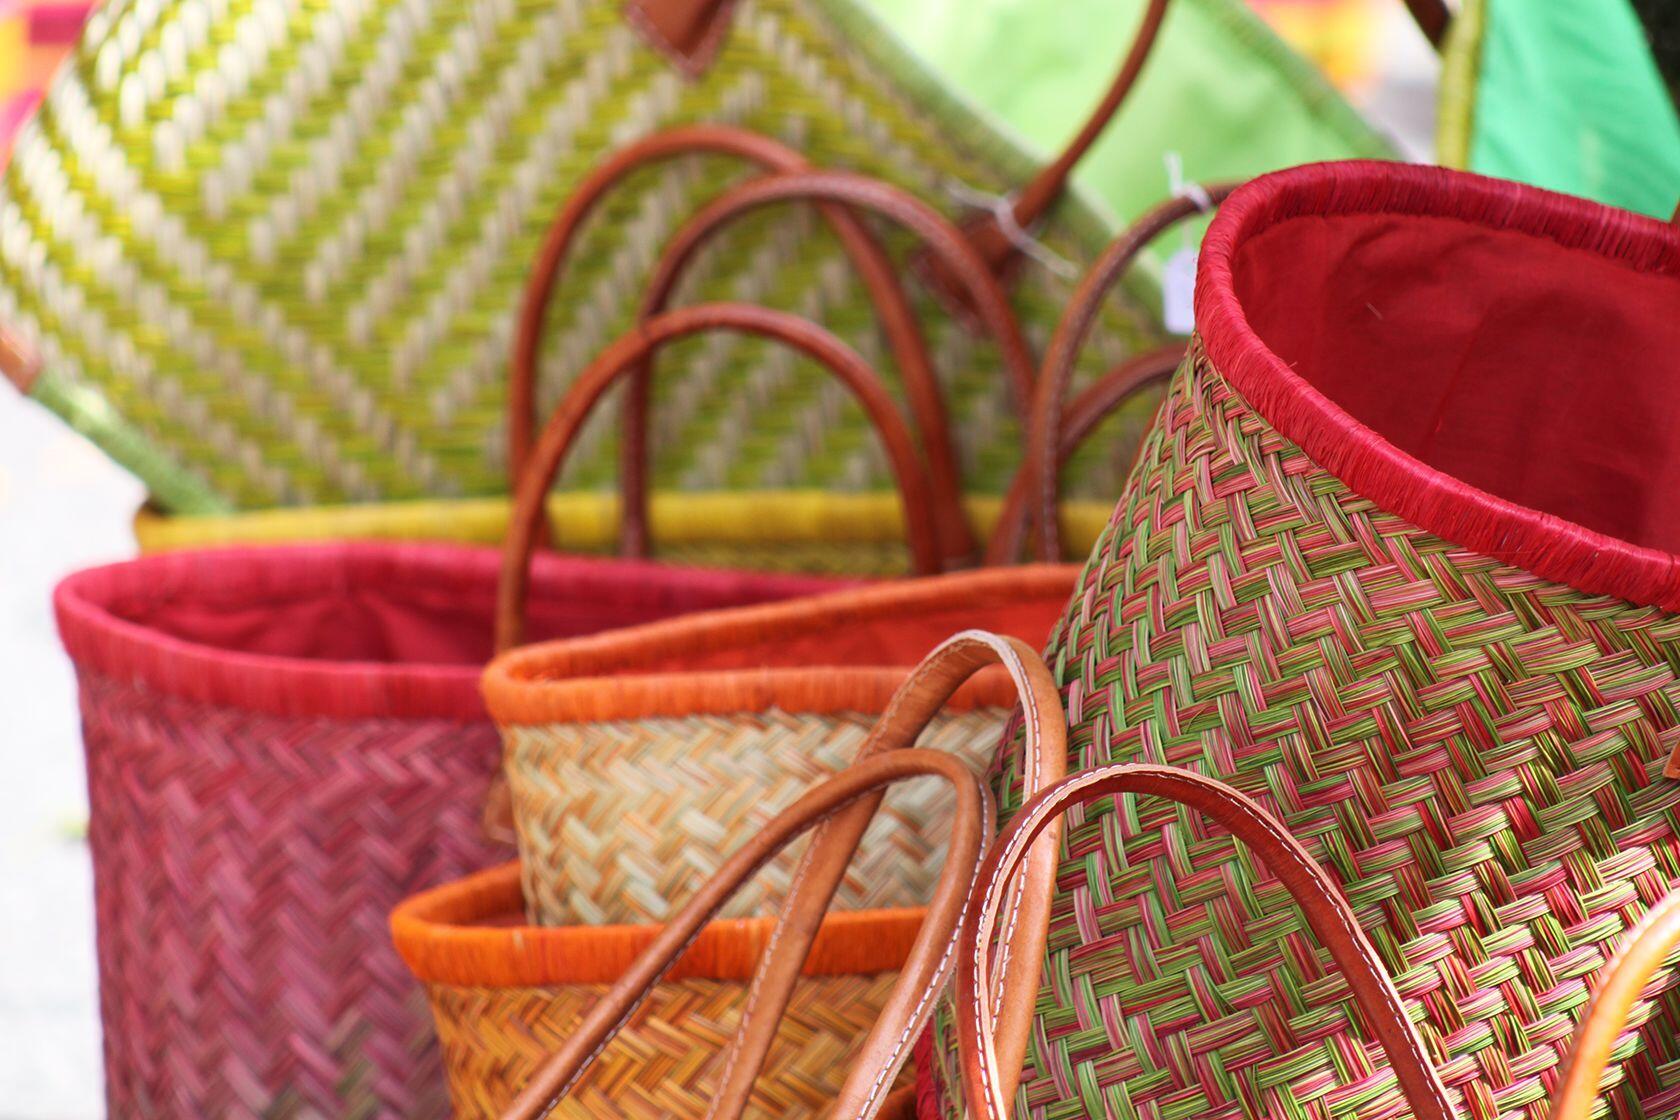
(100, 641)
(1545, 544)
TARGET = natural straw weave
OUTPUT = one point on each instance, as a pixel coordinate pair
(632, 759)
(274, 257)
(1474, 749)
(504, 996)
(255, 815)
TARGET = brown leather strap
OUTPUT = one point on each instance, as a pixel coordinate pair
(943, 239)
(1044, 754)
(926, 969)
(616, 361)
(1647, 948)
(1432, 18)
(871, 261)
(1045, 420)
(1326, 910)
(19, 363)
(1093, 404)
(688, 32)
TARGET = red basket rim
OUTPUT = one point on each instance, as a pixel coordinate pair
(1547, 545)
(99, 640)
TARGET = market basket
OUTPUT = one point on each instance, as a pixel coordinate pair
(1397, 562)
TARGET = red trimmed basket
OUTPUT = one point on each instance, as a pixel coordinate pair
(1400, 560)
(282, 744)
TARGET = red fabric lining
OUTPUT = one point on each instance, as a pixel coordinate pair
(1492, 362)
(358, 630)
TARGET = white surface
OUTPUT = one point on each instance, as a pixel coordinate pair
(62, 507)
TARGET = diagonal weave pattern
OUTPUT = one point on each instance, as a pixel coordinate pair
(1475, 752)
(663, 1063)
(245, 867)
(621, 820)
(318, 217)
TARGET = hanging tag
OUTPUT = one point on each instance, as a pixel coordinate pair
(1178, 292)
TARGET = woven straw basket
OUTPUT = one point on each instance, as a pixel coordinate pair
(1399, 562)
(283, 743)
(320, 221)
(632, 759)
(505, 995)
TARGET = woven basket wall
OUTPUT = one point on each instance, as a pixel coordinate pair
(633, 759)
(258, 805)
(273, 258)
(1474, 748)
(504, 998)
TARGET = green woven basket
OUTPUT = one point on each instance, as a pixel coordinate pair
(270, 251)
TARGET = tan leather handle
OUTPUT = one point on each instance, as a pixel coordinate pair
(876, 269)
(1046, 419)
(623, 354)
(1083, 415)
(924, 692)
(1647, 948)
(925, 970)
(1326, 910)
(19, 363)
(943, 239)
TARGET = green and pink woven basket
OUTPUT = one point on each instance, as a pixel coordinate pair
(1400, 561)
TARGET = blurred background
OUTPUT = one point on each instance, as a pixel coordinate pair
(63, 505)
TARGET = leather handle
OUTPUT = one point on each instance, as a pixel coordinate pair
(19, 363)
(925, 970)
(1044, 751)
(868, 258)
(687, 32)
(1047, 416)
(622, 355)
(933, 230)
(1647, 948)
(1433, 18)
(1327, 912)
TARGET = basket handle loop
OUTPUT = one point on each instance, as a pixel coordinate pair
(925, 970)
(847, 191)
(1044, 755)
(1037, 483)
(621, 356)
(1326, 910)
(870, 260)
(1641, 956)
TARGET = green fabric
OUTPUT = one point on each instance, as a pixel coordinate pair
(1565, 94)
(1220, 89)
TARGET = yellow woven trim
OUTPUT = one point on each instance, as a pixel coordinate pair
(588, 522)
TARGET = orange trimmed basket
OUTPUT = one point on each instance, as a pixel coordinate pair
(504, 995)
(630, 758)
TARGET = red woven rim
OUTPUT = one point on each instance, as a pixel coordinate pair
(99, 640)
(1526, 538)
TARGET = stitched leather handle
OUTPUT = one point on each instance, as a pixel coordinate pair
(1647, 948)
(1327, 912)
(871, 262)
(1047, 418)
(1044, 751)
(622, 355)
(925, 970)
(944, 240)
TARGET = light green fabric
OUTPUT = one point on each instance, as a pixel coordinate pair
(1220, 89)
(1565, 94)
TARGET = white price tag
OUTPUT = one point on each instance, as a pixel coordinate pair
(1178, 292)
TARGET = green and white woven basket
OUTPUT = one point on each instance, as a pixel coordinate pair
(270, 251)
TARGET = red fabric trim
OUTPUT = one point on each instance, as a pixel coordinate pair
(357, 630)
(1467, 243)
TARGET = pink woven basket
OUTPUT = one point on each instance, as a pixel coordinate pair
(282, 744)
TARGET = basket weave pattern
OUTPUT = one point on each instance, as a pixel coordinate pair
(242, 889)
(331, 244)
(621, 820)
(662, 1064)
(1476, 752)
